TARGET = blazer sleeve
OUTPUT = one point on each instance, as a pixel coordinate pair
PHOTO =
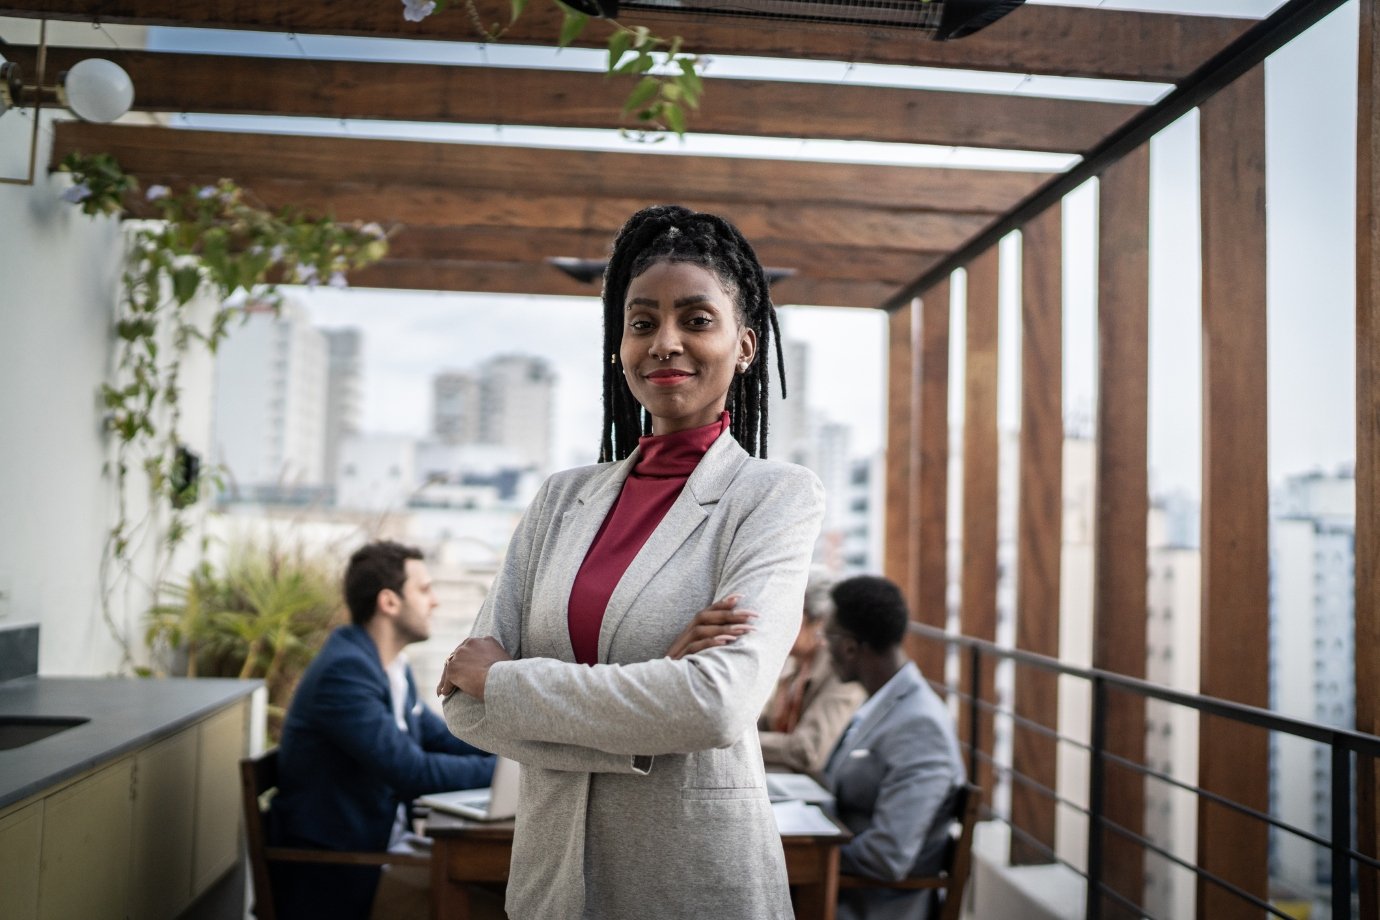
(819, 728)
(915, 786)
(702, 701)
(501, 617)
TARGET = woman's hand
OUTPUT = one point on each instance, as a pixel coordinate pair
(718, 624)
(467, 668)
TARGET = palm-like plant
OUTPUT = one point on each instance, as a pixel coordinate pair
(264, 615)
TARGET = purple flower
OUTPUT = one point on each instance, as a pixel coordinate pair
(277, 252)
(338, 280)
(372, 229)
(417, 10)
(156, 192)
(307, 274)
(77, 193)
(206, 191)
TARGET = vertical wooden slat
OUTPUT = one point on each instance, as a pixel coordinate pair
(1233, 758)
(1039, 529)
(1122, 487)
(978, 582)
(931, 535)
(1367, 605)
(900, 447)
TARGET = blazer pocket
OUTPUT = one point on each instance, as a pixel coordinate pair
(736, 792)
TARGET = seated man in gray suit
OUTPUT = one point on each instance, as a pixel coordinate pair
(896, 772)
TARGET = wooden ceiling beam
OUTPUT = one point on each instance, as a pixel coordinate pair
(434, 206)
(540, 278)
(147, 151)
(497, 244)
(516, 96)
(1036, 39)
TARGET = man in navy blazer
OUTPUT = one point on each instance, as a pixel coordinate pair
(896, 772)
(358, 745)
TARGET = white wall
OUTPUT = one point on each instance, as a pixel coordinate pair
(59, 276)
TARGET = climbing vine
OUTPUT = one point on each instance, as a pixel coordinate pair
(208, 243)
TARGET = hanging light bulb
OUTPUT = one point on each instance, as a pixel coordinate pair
(97, 90)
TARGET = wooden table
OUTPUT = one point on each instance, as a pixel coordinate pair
(473, 851)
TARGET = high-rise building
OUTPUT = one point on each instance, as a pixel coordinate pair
(517, 396)
(455, 411)
(344, 397)
(1312, 666)
(788, 420)
(269, 413)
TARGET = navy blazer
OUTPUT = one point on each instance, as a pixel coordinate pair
(344, 767)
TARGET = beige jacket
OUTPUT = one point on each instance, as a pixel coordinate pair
(642, 782)
(827, 706)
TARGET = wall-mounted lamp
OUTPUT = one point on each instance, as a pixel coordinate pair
(94, 90)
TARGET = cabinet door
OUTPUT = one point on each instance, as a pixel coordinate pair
(221, 742)
(21, 836)
(164, 802)
(84, 871)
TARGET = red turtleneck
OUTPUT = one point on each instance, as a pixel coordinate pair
(663, 466)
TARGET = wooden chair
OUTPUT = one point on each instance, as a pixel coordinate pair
(953, 878)
(258, 777)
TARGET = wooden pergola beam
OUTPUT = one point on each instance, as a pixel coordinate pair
(535, 244)
(573, 99)
(431, 206)
(1036, 39)
(655, 177)
(539, 278)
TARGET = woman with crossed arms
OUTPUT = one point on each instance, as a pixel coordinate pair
(646, 606)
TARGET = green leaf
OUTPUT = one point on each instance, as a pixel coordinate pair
(643, 93)
(518, 6)
(675, 118)
(185, 282)
(619, 42)
(571, 26)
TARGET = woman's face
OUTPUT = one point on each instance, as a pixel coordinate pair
(682, 345)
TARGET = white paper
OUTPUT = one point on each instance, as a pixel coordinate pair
(801, 818)
(796, 786)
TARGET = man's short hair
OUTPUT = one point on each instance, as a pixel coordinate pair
(373, 567)
(871, 609)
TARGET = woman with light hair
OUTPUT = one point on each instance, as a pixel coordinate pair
(804, 718)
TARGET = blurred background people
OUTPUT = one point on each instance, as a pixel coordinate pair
(358, 745)
(896, 773)
(805, 716)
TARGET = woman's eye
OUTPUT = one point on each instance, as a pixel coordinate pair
(699, 321)
(640, 325)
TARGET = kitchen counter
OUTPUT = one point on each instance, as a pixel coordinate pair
(125, 714)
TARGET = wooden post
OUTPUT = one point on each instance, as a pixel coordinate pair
(1122, 487)
(900, 447)
(930, 539)
(979, 575)
(1368, 444)
(1233, 758)
(1039, 530)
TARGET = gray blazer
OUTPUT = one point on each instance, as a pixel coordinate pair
(642, 782)
(895, 779)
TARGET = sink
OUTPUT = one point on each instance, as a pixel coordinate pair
(17, 731)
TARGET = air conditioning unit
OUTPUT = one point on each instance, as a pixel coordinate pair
(941, 20)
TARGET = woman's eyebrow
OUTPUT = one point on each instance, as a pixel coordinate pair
(686, 301)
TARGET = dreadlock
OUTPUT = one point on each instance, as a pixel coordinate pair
(668, 233)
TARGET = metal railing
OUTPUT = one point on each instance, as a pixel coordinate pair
(1344, 744)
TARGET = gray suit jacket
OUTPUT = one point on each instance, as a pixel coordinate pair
(642, 782)
(895, 779)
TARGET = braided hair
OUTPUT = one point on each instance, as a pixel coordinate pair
(669, 233)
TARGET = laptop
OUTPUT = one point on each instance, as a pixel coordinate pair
(496, 803)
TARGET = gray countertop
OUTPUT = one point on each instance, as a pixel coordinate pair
(125, 714)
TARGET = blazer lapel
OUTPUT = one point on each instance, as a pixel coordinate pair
(704, 488)
(861, 732)
(581, 522)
